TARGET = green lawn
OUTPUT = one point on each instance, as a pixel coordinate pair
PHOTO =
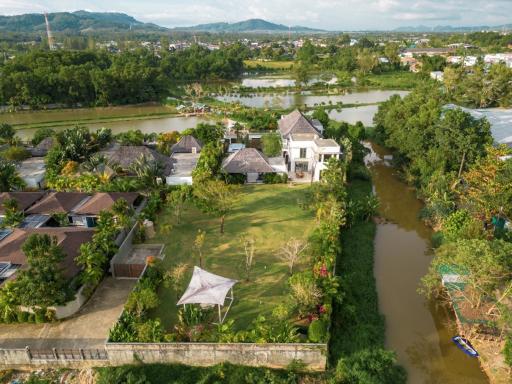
(268, 213)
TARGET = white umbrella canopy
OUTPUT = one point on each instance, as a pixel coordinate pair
(206, 288)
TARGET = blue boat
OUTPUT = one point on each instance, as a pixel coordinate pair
(465, 346)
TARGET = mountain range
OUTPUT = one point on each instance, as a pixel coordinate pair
(74, 22)
(251, 25)
(83, 21)
(449, 28)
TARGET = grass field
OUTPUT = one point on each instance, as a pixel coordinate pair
(252, 64)
(268, 213)
(394, 80)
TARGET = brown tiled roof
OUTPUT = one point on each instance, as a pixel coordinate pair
(69, 239)
(57, 202)
(24, 199)
(186, 144)
(126, 155)
(104, 201)
(247, 160)
(295, 122)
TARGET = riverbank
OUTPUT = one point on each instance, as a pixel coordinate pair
(358, 313)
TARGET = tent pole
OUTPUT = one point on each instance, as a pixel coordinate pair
(220, 317)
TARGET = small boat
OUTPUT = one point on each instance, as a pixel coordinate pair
(465, 346)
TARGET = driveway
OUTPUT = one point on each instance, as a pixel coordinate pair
(86, 329)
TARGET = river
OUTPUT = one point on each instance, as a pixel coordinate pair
(417, 330)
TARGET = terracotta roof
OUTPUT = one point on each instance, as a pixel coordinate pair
(57, 202)
(186, 144)
(24, 199)
(247, 160)
(69, 239)
(126, 155)
(104, 201)
(296, 122)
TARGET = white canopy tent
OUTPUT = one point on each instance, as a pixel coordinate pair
(207, 288)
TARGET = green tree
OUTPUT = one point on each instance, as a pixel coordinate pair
(217, 198)
(42, 283)
(7, 133)
(271, 143)
(12, 215)
(9, 177)
(322, 116)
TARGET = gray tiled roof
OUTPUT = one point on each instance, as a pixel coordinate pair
(186, 144)
(247, 160)
(296, 122)
(125, 156)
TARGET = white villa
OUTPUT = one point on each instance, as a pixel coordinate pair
(305, 151)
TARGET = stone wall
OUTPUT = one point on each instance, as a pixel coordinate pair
(314, 356)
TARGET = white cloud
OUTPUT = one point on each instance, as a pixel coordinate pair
(327, 14)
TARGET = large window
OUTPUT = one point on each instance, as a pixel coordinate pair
(303, 153)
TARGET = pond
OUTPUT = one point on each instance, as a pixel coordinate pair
(290, 100)
(277, 82)
(417, 330)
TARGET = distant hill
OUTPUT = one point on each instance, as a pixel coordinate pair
(78, 21)
(449, 28)
(252, 25)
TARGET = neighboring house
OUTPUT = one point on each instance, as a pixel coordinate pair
(304, 150)
(249, 162)
(81, 209)
(126, 156)
(87, 212)
(185, 155)
(24, 199)
(33, 171)
(54, 203)
(12, 257)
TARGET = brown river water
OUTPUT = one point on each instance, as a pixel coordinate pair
(417, 330)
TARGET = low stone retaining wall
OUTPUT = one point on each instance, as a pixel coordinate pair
(314, 356)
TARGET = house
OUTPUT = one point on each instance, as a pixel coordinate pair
(305, 151)
(33, 171)
(126, 156)
(249, 162)
(187, 144)
(12, 257)
(87, 212)
(184, 155)
(81, 209)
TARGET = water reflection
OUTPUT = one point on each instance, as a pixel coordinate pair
(419, 331)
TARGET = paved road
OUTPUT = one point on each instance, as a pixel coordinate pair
(87, 329)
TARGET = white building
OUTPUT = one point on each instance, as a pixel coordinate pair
(305, 151)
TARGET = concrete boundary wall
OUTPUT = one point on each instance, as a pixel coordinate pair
(314, 356)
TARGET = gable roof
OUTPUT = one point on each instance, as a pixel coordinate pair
(69, 239)
(126, 155)
(57, 202)
(104, 201)
(296, 122)
(186, 144)
(247, 160)
(24, 199)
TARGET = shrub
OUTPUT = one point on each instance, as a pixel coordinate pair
(507, 351)
(40, 316)
(235, 178)
(22, 316)
(16, 153)
(317, 331)
(275, 178)
(31, 318)
(41, 134)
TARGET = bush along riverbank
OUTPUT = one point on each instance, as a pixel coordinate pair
(466, 185)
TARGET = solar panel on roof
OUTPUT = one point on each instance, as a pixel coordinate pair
(4, 233)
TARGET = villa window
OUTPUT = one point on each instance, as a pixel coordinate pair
(303, 153)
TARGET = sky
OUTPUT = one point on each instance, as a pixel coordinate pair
(324, 14)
